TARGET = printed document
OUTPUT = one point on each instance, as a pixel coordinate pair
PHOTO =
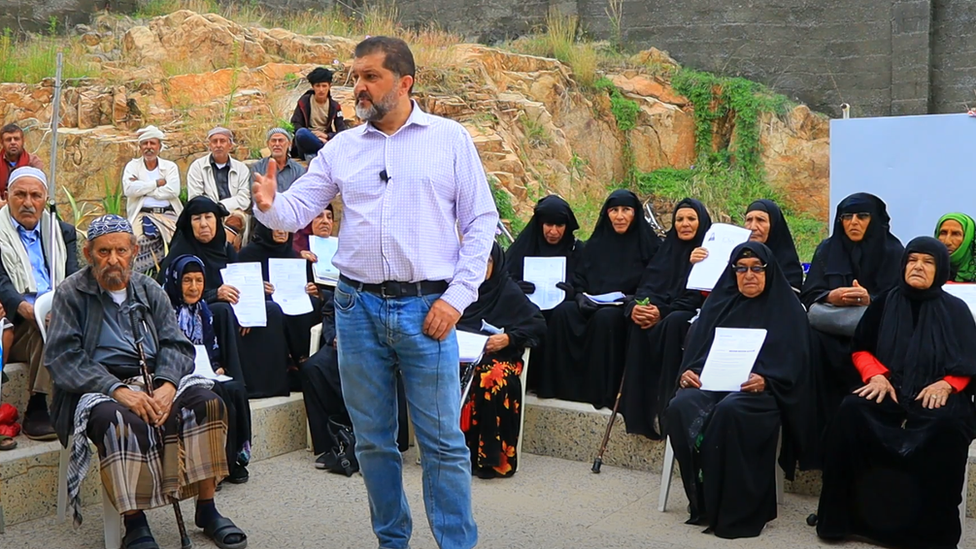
(202, 367)
(731, 358)
(720, 240)
(324, 249)
(545, 273)
(470, 345)
(246, 277)
(288, 276)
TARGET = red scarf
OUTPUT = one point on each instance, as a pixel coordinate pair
(23, 160)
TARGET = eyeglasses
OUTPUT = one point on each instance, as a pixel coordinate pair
(863, 216)
(742, 269)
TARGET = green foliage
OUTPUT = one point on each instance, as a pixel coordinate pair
(506, 212)
(624, 110)
(156, 8)
(34, 59)
(535, 132)
(79, 213)
(560, 41)
(112, 201)
(286, 125)
(183, 195)
(727, 192)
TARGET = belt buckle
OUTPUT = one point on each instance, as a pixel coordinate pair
(383, 290)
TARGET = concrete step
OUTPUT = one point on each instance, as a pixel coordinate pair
(29, 474)
(570, 430)
(14, 391)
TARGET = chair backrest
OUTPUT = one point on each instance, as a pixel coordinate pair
(41, 308)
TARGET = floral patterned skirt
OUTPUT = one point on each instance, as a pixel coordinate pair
(491, 417)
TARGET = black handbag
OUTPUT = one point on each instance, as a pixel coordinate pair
(344, 450)
(829, 319)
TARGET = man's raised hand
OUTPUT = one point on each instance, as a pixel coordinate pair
(265, 187)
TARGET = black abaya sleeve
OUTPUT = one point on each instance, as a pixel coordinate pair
(529, 332)
(866, 334)
(815, 288)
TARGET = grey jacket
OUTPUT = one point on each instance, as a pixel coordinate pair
(76, 323)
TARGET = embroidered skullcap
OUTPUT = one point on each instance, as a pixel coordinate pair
(150, 132)
(108, 224)
(26, 171)
(282, 131)
(219, 130)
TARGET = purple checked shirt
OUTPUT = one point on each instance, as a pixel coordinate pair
(406, 228)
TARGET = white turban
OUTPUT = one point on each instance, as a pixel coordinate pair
(150, 132)
(26, 171)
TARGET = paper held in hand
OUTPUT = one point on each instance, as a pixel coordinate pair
(611, 298)
(720, 240)
(247, 278)
(202, 367)
(545, 273)
(324, 271)
(965, 292)
(288, 277)
(731, 358)
(470, 346)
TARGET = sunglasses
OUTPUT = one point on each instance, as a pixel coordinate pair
(863, 216)
(742, 269)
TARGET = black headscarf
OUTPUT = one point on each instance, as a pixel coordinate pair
(939, 343)
(614, 262)
(214, 254)
(784, 360)
(503, 304)
(873, 261)
(263, 247)
(780, 241)
(531, 242)
(666, 275)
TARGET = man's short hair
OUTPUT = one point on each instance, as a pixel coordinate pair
(399, 58)
(11, 128)
(320, 75)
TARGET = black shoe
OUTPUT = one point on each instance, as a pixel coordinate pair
(238, 475)
(37, 424)
(327, 460)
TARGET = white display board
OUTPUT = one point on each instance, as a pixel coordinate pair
(921, 166)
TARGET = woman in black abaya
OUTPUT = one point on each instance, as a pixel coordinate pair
(585, 343)
(856, 264)
(658, 329)
(548, 234)
(725, 442)
(768, 225)
(263, 353)
(267, 244)
(491, 416)
(896, 453)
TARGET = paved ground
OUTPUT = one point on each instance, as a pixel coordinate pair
(550, 503)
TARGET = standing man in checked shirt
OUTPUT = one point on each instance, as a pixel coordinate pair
(403, 284)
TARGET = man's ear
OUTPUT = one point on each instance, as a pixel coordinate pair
(86, 250)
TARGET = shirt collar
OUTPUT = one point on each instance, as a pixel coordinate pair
(417, 117)
(20, 228)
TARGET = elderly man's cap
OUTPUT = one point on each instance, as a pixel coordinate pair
(282, 131)
(150, 132)
(319, 75)
(108, 224)
(26, 171)
(220, 131)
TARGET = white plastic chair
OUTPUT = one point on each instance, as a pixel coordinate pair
(313, 347)
(523, 378)
(668, 469)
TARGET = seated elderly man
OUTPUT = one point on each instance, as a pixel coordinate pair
(279, 142)
(223, 179)
(152, 448)
(152, 191)
(26, 233)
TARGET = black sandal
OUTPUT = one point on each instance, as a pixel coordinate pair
(7, 443)
(139, 538)
(220, 529)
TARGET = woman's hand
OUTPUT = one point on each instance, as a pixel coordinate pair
(645, 316)
(309, 256)
(935, 395)
(689, 380)
(497, 342)
(698, 255)
(854, 296)
(755, 384)
(876, 389)
(219, 371)
(245, 331)
(268, 288)
(228, 293)
(311, 289)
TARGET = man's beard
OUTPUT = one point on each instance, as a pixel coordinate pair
(376, 110)
(112, 278)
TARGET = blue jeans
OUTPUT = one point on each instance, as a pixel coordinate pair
(376, 336)
(307, 141)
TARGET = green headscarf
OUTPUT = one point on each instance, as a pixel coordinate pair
(962, 260)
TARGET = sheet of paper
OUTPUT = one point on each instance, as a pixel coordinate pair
(470, 345)
(965, 292)
(731, 358)
(545, 273)
(247, 278)
(611, 298)
(202, 367)
(493, 330)
(288, 276)
(324, 249)
(720, 240)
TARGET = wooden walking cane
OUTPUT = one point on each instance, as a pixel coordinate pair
(598, 462)
(185, 542)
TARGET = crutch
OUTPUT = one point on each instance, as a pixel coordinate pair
(598, 462)
(185, 542)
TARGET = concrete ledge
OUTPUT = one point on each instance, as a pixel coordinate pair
(570, 430)
(14, 392)
(29, 474)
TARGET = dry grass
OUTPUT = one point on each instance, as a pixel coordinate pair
(35, 58)
(560, 40)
